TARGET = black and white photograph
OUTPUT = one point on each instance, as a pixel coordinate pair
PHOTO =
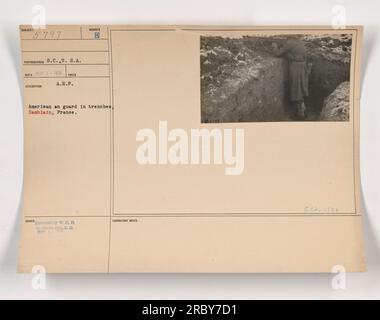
(273, 78)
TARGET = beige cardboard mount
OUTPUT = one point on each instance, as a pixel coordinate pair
(89, 206)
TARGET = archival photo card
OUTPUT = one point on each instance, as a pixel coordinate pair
(229, 149)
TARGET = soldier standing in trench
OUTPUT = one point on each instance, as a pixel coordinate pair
(298, 76)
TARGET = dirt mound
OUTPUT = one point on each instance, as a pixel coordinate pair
(336, 105)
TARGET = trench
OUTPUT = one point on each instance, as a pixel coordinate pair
(324, 78)
(263, 96)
